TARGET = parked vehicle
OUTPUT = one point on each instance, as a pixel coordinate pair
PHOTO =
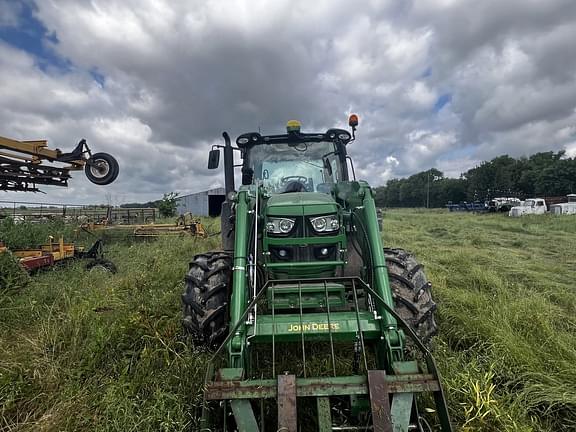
(476, 206)
(503, 204)
(565, 208)
(530, 206)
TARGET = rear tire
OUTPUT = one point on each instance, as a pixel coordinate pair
(205, 299)
(411, 292)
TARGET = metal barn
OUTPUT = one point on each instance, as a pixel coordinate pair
(205, 203)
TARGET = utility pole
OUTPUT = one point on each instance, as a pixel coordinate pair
(428, 191)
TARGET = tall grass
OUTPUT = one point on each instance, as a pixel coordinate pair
(92, 351)
(30, 234)
(84, 350)
(507, 309)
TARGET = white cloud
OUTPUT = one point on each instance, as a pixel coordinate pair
(421, 95)
(456, 166)
(571, 149)
(176, 74)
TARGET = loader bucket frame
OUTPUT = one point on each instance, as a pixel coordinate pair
(389, 393)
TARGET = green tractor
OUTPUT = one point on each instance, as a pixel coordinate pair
(315, 326)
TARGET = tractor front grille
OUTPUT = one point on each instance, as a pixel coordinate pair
(323, 252)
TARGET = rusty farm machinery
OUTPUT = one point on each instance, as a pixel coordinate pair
(54, 252)
(185, 225)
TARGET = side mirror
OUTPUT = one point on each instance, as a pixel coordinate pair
(213, 159)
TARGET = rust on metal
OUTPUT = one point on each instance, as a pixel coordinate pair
(379, 401)
(257, 389)
(287, 417)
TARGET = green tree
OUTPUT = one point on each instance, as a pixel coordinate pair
(543, 174)
(168, 204)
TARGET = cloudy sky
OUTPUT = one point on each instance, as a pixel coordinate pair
(436, 83)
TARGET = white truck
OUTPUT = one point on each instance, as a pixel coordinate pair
(568, 208)
(502, 204)
(533, 206)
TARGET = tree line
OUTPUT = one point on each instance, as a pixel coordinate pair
(544, 174)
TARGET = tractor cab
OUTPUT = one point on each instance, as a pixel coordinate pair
(298, 173)
(295, 161)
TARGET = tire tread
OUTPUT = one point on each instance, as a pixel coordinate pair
(205, 298)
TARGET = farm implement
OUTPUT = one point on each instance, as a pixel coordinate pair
(315, 326)
(22, 168)
(52, 253)
(186, 225)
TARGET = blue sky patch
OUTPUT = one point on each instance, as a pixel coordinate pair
(98, 76)
(442, 101)
(427, 73)
(33, 37)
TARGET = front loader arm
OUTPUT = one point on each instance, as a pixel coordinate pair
(239, 276)
(368, 218)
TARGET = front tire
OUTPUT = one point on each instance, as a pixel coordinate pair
(101, 169)
(205, 299)
(411, 292)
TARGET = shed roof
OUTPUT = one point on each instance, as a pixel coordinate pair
(215, 191)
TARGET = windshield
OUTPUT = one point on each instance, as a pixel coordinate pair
(301, 167)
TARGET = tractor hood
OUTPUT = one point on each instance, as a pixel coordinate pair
(300, 204)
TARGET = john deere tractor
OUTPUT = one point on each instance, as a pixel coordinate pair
(315, 326)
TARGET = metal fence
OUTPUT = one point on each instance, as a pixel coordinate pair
(34, 211)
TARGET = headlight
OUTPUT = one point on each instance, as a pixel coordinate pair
(324, 224)
(279, 225)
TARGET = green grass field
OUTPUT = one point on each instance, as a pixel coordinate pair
(93, 351)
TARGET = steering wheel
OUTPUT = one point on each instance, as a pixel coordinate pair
(294, 184)
(297, 178)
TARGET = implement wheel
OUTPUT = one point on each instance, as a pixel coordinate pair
(102, 265)
(205, 299)
(101, 169)
(411, 293)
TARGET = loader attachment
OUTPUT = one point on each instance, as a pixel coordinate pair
(319, 365)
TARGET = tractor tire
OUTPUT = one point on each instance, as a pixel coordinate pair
(411, 292)
(205, 299)
(101, 169)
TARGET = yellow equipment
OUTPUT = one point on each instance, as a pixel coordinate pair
(53, 252)
(21, 166)
(186, 224)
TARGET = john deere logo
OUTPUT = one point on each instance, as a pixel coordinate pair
(313, 327)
